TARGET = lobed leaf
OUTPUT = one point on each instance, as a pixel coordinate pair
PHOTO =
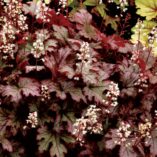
(57, 149)
(25, 86)
(147, 9)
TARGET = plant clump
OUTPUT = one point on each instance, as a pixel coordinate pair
(78, 78)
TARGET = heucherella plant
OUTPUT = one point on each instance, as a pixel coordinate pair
(75, 81)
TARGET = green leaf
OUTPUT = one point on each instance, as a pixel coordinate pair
(111, 21)
(68, 139)
(117, 2)
(15, 154)
(69, 119)
(2, 65)
(48, 141)
(144, 32)
(101, 10)
(73, 4)
(70, 2)
(44, 138)
(147, 9)
(47, 1)
(57, 149)
(91, 2)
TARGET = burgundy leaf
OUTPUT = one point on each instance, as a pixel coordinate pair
(82, 17)
(59, 20)
(129, 73)
(12, 91)
(22, 60)
(131, 92)
(63, 55)
(115, 42)
(127, 152)
(29, 86)
(50, 63)
(58, 60)
(67, 71)
(75, 44)
(153, 142)
(83, 20)
(141, 64)
(110, 142)
(106, 70)
(147, 101)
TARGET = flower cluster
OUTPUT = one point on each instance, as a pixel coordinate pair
(14, 10)
(12, 22)
(30, 68)
(142, 82)
(8, 31)
(41, 12)
(135, 55)
(84, 56)
(8, 50)
(111, 96)
(63, 4)
(38, 46)
(88, 123)
(85, 59)
(45, 93)
(145, 128)
(7, 35)
(139, 26)
(69, 64)
(152, 37)
(123, 133)
(32, 119)
(123, 4)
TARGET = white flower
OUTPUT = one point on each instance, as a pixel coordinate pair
(88, 123)
(32, 119)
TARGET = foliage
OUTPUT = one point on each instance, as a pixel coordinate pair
(145, 30)
(147, 9)
(74, 81)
